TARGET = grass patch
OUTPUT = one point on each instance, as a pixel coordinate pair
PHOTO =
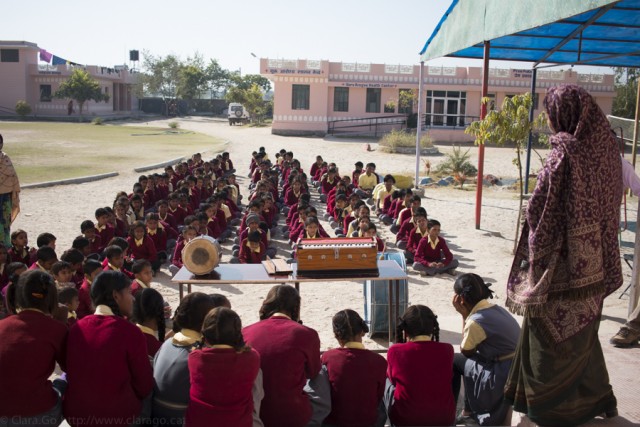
(52, 151)
(395, 139)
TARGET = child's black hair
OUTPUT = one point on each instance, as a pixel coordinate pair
(59, 266)
(420, 212)
(372, 226)
(67, 294)
(72, 256)
(472, 288)
(416, 198)
(90, 266)
(254, 236)
(418, 320)
(389, 178)
(191, 311)
(152, 216)
(87, 225)
(432, 223)
(263, 226)
(149, 304)
(311, 220)
(44, 239)
(80, 243)
(139, 265)
(34, 289)
(305, 197)
(348, 325)
(121, 242)
(112, 251)
(281, 299)
(103, 287)
(223, 326)
(137, 224)
(46, 253)
(220, 300)
(101, 212)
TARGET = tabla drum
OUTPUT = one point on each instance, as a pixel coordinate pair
(201, 255)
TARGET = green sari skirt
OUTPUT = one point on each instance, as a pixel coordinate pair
(5, 219)
(559, 385)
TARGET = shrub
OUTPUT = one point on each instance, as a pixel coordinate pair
(398, 138)
(97, 121)
(23, 108)
(457, 163)
(174, 125)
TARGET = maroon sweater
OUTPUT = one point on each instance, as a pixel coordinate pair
(108, 372)
(357, 378)
(221, 383)
(289, 355)
(85, 307)
(105, 235)
(425, 254)
(145, 251)
(32, 343)
(247, 256)
(422, 373)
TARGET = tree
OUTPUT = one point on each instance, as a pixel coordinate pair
(216, 76)
(511, 124)
(252, 99)
(192, 81)
(248, 80)
(81, 87)
(23, 109)
(626, 86)
(161, 76)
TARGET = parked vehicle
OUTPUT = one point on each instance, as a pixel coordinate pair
(238, 114)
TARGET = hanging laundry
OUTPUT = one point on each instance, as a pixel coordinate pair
(58, 61)
(45, 56)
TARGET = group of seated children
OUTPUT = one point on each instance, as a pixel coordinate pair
(273, 371)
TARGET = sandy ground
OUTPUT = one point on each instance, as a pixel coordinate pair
(486, 251)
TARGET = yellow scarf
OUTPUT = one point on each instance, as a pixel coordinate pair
(353, 344)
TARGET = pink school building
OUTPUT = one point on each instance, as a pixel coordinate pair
(24, 77)
(320, 97)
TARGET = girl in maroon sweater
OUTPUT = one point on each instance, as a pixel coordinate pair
(222, 374)
(357, 375)
(32, 343)
(148, 315)
(141, 246)
(433, 255)
(109, 372)
(289, 355)
(419, 386)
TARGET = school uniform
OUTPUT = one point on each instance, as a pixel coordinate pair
(25, 256)
(327, 185)
(221, 387)
(169, 220)
(285, 345)
(176, 259)
(32, 343)
(429, 252)
(380, 244)
(367, 182)
(124, 271)
(251, 256)
(292, 198)
(137, 285)
(403, 233)
(357, 377)
(72, 318)
(151, 340)
(85, 307)
(314, 169)
(178, 214)
(142, 249)
(36, 266)
(159, 238)
(420, 374)
(105, 233)
(108, 371)
(415, 236)
(121, 228)
(96, 245)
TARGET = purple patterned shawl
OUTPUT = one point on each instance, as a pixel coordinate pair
(568, 258)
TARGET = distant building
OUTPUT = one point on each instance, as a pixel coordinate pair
(24, 77)
(320, 97)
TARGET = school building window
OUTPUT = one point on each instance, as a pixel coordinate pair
(405, 101)
(341, 99)
(373, 100)
(300, 97)
(9, 55)
(45, 93)
(445, 108)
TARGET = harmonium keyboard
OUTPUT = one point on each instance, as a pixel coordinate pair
(338, 257)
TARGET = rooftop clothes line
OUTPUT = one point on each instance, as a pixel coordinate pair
(48, 57)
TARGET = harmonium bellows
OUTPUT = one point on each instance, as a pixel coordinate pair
(338, 257)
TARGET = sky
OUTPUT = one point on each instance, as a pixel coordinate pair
(102, 33)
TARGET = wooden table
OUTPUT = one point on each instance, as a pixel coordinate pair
(234, 274)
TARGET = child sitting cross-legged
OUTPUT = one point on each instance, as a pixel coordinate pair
(252, 250)
(433, 255)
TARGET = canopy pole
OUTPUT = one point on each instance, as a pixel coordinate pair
(483, 114)
(419, 128)
(635, 129)
(530, 140)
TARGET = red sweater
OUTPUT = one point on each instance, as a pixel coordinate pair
(405, 229)
(108, 372)
(177, 253)
(289, 355)
(145, 251)
(105, 235)
(159, 239)
(357, 380)
(414, 240)
(85, 307)
(221, 385)
(247, 256)
(32, 343)
(425, 254)
(422, 373)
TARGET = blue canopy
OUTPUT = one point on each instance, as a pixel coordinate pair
(578, 32)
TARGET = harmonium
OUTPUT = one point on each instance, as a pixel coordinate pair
(338, 257)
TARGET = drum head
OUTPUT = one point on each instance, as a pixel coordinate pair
(200, 256)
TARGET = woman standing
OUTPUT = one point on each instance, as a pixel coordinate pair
(9, 196)
(567, 262)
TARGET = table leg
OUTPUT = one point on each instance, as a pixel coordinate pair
(397, 309)
(181, 291)
(297, 284)
(189, 288)
(391, 322)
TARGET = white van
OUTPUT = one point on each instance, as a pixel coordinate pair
(238, 114)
